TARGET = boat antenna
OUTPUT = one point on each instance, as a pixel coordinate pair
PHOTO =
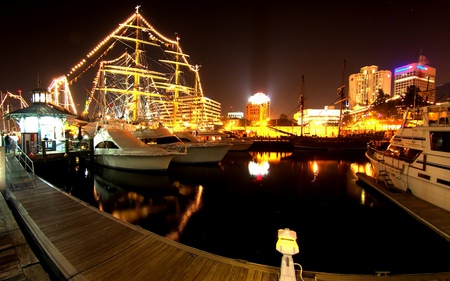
(301, 101)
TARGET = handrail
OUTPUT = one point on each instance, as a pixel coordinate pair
(180, 148)
(25, 161)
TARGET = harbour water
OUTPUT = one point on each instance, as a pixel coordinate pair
(235, 209)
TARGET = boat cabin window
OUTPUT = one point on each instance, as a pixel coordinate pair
(164, 140)
(438, 116)
(440, 141)
(183, 139)
(403, 153)
(106, 144)
(413, 118)
(171, 139)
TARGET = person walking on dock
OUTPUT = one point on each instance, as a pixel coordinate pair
(13, 142)
(7, 143)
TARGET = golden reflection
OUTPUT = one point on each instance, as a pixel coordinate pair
(271, 157)
(137, 208)
(363, 197)
(191, 209)
(132, 206)
(362, 168)
(315, 169)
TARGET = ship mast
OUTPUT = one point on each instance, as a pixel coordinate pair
(175, 94)
(131, 83)
(341, 93)
(302, 105)
(136, 76)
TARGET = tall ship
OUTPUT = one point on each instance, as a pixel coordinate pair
(141, 76)
(417, 158)
(337, 142)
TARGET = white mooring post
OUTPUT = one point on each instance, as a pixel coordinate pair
(287, 245)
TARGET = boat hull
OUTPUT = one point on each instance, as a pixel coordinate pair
(134, 161)
(239, 145)
(208, 153)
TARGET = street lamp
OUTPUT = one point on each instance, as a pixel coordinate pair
(287, 245)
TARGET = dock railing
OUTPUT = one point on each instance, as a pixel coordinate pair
(24, 160)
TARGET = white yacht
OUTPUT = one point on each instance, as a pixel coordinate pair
(196, 152)
(120, 149)
(417, 157)
(239, 144)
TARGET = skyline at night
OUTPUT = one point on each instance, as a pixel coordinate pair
(243, 48)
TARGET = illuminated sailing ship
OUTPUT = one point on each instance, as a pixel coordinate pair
(151, 82)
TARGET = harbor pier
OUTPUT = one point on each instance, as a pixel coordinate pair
(80, 242)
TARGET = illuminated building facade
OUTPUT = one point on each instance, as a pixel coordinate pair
(194, 110)
(258, 108)
(320, 122)
(364, 86)
(235, 115)
(415, 74)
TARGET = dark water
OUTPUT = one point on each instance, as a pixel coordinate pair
(229, 209)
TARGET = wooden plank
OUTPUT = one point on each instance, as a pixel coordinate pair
(189, 269)
(35, 272)
(203, 269)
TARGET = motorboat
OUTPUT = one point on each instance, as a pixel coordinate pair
(196, 152)
(417, 157)
(120, 149)
(238, 143)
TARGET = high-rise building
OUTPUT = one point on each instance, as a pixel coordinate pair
(194, 110)
(415, 74)
(364, 86)
(258, 107)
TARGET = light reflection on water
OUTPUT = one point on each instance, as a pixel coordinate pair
(235, 210)
(133, 197)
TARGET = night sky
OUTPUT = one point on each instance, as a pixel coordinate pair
(243, 47)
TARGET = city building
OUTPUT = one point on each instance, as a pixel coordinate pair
(193, 110)
(415, 74)
(364, 86)
(235, 115)
(258, 108)
(319, 122)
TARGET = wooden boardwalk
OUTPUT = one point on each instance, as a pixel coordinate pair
(84, 243)
(17, 259)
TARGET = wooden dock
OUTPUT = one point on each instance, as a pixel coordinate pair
(81, 242)
(434, 217)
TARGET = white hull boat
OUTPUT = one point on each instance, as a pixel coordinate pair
(195, 152)
(417, 158)
(120, 149)
(239, 144)
(214, 136)
(204, 153)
